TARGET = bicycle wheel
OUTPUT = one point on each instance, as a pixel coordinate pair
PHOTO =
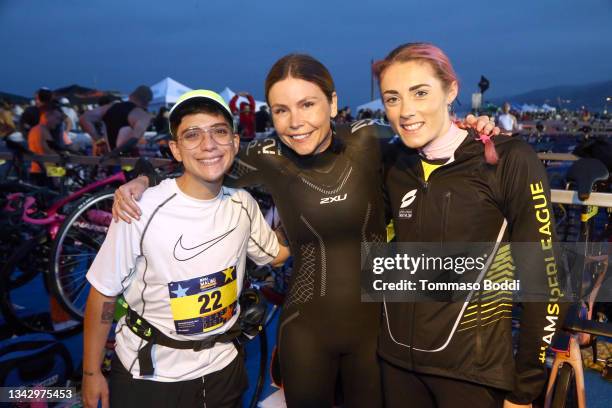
(29, 307)
(13, 239)
(74, 249)
(564, 394)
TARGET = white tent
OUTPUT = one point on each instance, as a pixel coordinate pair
(529, 108)
(373, 105)
(166, 92)
(548, 108)
(228, 94)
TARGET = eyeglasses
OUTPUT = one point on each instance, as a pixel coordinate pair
(192, 137)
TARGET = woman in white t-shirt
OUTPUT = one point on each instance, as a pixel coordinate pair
(180, 268)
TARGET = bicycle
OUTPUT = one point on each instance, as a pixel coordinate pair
(566, 388)
(566, 383)
(13, 298)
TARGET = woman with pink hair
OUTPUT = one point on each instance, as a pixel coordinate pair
(447, 184)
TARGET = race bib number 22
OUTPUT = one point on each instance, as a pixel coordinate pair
(203, 304)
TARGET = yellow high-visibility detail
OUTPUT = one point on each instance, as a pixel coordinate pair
(485, 311)
(498, 312)
(55, 171)
(428, 168)
(591, 212)
(497, 320)
(491, 294)
(502, 275)
(390, 231)
(467, 321)
(486, 324)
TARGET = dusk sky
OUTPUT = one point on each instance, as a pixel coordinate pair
(119, 44)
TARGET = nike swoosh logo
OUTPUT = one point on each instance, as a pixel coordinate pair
(184, 254)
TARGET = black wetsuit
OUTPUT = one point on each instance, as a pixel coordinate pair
(115, 118)
(329, 203)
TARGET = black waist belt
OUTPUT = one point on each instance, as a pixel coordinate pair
(152, 335)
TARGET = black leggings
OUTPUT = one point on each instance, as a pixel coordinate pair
(311, 356)
(405, 388)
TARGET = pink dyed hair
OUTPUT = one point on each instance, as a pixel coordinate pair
(424, 52)
(438, 60)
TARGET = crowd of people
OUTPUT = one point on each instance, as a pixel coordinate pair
(344, 115)
(85, 135)
(82, 126)
(563, 120)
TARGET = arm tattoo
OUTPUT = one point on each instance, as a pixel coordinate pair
(88, 373)
(108, 312)
(281, 235)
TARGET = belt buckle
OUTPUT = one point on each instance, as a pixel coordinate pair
(200, 345)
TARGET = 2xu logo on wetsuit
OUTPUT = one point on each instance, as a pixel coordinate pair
(328, 200)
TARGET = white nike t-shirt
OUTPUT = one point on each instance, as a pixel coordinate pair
(190, 273)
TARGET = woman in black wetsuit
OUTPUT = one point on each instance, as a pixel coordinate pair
(327, 185)
(326, 182)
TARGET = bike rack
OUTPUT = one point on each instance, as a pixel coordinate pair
(571, 197)
(87, 160)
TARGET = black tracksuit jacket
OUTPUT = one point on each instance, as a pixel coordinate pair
(469, 200)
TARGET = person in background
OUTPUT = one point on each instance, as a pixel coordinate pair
(160, 123)
(347, 113)
(507, 121)
(247, 115)
(71, 121)
(122, 120)
(7, 126)
(366, 114)
(262, 121)
(17, 112)
(340, 118)
(31, 114)
(40, 135)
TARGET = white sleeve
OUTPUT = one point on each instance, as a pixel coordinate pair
(263, 244)
(110, 272)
